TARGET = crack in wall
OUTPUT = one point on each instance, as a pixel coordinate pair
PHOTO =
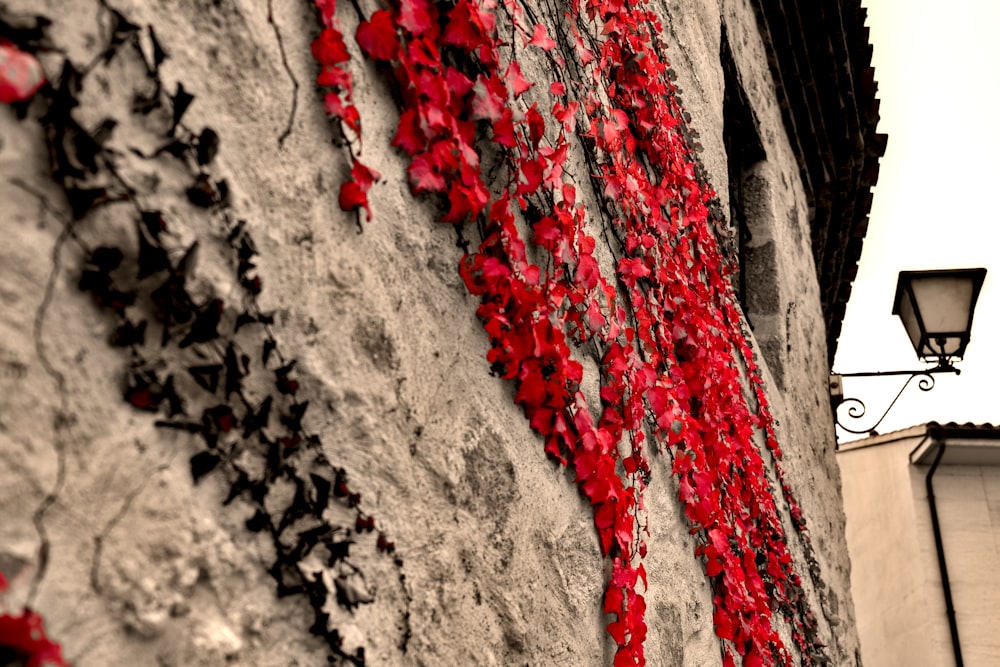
(788, 327)
(295, 82)
(95, 563)
(60, 420)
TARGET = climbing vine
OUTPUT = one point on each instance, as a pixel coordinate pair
(673, 352)
(202, 365)
(215, 370)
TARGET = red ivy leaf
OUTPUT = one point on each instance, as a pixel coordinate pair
(364, 175)
(723, 623)
(489, 98)
(753, 659)
(529, 177)
(464, 28)
(20, 74)
(329, 48)
(424, 176)
(409, 136)
(624, 524)
(458, 84)
(326, 9)
(332, 76)
(352, 196)
(354, 191)
(595, 319)
(631, 269)
(503, 130)
(604, 519)
(617, 631)
(466, 202)
(586, 55)
(587, 272)
(494, 270)
(566, 114)
(424, 52)
(541, 39)
(613, 599)
(536, 125)
(349, 114)
(444, 156)
(515, 80)
(377, 36)
(25, 634)
(548, 233)
(415, 16)
(626, 656)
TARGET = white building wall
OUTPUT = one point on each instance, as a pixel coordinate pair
(969, 509)
(889, 578)
(895, 575)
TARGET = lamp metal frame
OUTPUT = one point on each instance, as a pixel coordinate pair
(925, 348)
(930, 348)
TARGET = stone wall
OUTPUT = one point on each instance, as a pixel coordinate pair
(495, 557)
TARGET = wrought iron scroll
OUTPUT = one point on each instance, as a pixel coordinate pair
(856, 408)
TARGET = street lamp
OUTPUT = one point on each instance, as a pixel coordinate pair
(936, 309)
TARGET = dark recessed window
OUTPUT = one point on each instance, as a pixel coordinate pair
(744, 149)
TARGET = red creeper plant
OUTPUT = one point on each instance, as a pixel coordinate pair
(23, 640)
(673, 352)
(331, 53)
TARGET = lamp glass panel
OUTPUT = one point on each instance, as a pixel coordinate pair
(909, 319)
(933, 349)
(944, 303)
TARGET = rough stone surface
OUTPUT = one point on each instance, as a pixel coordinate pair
(501, 561)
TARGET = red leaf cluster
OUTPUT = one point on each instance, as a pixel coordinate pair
(329, 50)
(354, 191)
(673, 366)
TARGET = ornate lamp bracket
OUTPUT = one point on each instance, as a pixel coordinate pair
(856, 408)
(936, 309)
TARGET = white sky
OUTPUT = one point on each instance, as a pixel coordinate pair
(938, 70)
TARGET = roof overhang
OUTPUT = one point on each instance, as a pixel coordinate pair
(963, 445)
(820, 58)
